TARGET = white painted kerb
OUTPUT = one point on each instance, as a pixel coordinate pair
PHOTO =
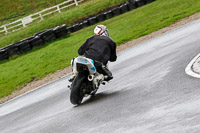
(190, 69)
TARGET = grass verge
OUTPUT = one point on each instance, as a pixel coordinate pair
(67, 17)
(57, 55)
(22, 8)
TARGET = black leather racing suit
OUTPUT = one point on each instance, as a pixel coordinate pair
(101, 49)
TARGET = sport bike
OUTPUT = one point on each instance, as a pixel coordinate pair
(83, 84)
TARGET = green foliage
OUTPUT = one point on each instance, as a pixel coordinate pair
(57, 55)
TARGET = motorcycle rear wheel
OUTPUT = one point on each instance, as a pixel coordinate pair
(76, 95)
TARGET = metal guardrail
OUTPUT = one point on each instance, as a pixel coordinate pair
(20, 23)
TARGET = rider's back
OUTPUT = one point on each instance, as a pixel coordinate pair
(99, 48)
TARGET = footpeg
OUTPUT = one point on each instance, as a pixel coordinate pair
(69, 86)
(105, 77)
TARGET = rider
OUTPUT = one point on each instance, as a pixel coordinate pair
(100, 48)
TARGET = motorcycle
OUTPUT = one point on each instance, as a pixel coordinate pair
(83, 85)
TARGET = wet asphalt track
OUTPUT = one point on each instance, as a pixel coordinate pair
(150, 93)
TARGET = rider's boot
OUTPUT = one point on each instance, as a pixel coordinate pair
(108, 76)
(97, 79)
(72, 77)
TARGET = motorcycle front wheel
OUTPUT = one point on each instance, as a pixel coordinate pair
(76, 95)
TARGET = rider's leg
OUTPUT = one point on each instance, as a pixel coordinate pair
(107, 73)
(97, 79)
(74, 71)
(99, 75)
(103, 69)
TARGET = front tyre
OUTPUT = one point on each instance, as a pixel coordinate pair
(76, 95)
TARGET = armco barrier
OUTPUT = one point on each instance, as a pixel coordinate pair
(61, 31)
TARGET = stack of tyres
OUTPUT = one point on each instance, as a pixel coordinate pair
(76, 27)
(124, 8)
(148, 1)
(83, 24)
(60, 31)
(70, 29)
(12, 49)
(101, 17)
(36, 41)
(139, 3)
(108, 14)
(92, 20)
(116, 11)
(3, 54)
(47, 35)
(131, 5)
(24, 46)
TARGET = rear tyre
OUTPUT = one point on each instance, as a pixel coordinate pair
(76, 95)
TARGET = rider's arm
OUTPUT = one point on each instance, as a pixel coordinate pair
(113, 55)
(83, 47)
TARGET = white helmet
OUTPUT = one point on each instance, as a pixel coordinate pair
(101, 30)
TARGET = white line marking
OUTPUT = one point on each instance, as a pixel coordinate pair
(188, 69)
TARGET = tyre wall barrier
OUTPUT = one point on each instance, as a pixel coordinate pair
(148, 1)
(101, 17)
(92, 20)
(12, 49)
(49, 35)
(70, 29)
(108, 14)
(124, 8)
(139, 3)
(24, 46)
(36, 41)
(116, 11)
(3, 54)
(84, 24)
(60, 31)
(76, 27)
(131, 5)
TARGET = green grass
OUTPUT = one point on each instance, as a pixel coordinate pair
(22, 8)
(67, 17)
(57, 55)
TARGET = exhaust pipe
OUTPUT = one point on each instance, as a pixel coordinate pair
(90, 77)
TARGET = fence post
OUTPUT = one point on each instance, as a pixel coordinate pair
(41, 16)
(58, 9)
(5, 29)
(24, 25)
(76, 2)
(25, 22)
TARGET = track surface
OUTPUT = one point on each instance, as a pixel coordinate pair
(150, 93)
